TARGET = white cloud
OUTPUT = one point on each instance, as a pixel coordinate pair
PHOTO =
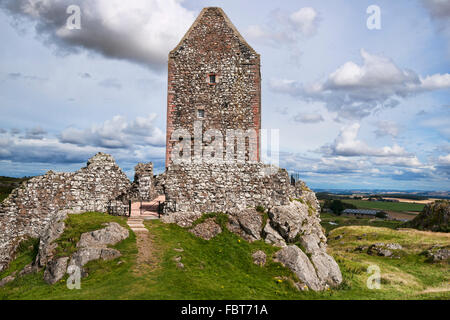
(308, 118)
(386, 128)
(141, 31)
(286, 28)
(355, 91)
(117, 133)
(305, 20)
(348, 145)
(444, 160)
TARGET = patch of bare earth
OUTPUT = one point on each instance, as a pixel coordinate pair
(146, 258)
(445, 288)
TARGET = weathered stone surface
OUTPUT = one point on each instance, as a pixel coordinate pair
(183, 219)
(37, 203)
(226, 188)
(259, 258)
(207, 229)
(272, 236)
(246, 223)
(326, 268)
(437, 253)
(383, 249)
(440, 255)
(310, 242)
(112, 234)
(295, 259)
(46, 242)
(93, 245)
(87, 254)
(143, 187)
(55, 270)
(6, 280)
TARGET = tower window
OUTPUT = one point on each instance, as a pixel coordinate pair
(212, 78)
(200, 113)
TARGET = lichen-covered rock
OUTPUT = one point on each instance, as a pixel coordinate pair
(383, 249)
(259, 258)
(295, 259)
(183, 219)
(47, 243)
(207, 229)
(246, 223)
(85, 255)
(273, 237)
(326, 267)
(112, 234)
(93, 245)
(55, 270)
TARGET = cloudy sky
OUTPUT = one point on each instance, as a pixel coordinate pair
(356, 107)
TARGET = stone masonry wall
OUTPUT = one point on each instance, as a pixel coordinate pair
(222, 188)
(213, 46)
(29, 209)
(143, 187)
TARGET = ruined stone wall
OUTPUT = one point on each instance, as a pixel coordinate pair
(223, 188)
(213, 46)
(30, 208)
(143, 187)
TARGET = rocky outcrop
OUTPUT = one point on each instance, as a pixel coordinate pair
(273, 237)
(207, 229)
(183, 219)
(47, 245)
(434, 217)
(92, 246)
(295, 227)
(246, 223)
(37, 203)
(437, 253)
(296, 260)
(299, 222)
(55, 270)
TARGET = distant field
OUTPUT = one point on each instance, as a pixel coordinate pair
(7, 185)
(388, 206)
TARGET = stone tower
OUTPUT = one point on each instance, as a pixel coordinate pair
(214, 79)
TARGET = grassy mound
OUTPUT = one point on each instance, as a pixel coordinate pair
(222, 268)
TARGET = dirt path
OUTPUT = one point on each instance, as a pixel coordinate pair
(146, 259)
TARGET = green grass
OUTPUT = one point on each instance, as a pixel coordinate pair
(355, 221)
(222, 268)
(387, 206)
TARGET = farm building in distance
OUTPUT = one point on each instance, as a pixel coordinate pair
(361, 212)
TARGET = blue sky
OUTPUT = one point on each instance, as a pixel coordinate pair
(356, 108)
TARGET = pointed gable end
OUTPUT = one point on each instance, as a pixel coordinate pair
(212, 24)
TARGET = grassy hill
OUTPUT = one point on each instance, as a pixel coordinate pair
(223, 269)
(7, 184)
(386, 206)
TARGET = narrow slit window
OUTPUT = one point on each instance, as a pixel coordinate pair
(212, 79)
(201, 113)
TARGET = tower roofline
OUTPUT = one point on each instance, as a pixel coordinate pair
(228, 22)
